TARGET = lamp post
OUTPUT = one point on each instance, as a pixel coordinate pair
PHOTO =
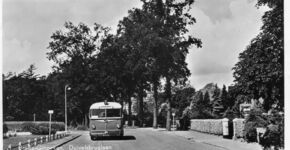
(173, 123)
(50, 112)
(65, 100)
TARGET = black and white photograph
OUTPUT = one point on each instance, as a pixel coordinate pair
(143, 75)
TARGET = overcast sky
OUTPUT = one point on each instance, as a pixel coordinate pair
(224, 26)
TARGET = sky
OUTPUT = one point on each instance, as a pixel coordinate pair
(225, 27)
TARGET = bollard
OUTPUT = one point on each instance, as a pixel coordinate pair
(35, 141)
(41, 140)
(19, 146)
(9, 147)
(51, 137)
(225, 122)
(133, 123)
(28, 143)
(46, 138)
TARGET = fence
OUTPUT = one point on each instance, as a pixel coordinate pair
(36, 141)
(212, 126)
(219, 126)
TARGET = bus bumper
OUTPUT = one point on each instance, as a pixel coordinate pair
(96, 133)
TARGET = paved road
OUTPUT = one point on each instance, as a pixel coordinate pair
(137, 139)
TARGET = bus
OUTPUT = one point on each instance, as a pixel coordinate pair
(106, 119)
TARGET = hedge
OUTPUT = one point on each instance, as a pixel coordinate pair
(212, 126)
(17, 125)
(42, 128)
(37, 128)
(239, 125)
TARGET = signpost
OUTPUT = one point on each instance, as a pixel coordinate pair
(50, 112)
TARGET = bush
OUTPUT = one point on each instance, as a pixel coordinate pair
(14, 125)
(82, 127)
(5, 128)
(254, 120)
(27, 127)
(184, 123)
(42, 128)
(250, 133)
(274, 135)
(148, 119)
(58, 126)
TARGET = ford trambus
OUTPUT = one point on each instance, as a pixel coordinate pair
(106, 119)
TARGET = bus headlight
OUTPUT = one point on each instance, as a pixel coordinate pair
(118, 126)
(93, 127)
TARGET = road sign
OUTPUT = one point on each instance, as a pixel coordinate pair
(50, 111)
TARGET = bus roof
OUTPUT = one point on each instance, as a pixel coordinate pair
(101, 105)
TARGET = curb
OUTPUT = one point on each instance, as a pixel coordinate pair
(215, 145)
(59, 145)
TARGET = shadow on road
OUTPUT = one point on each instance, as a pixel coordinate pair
(127, 137)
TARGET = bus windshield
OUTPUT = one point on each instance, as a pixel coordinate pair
(101, 113)
(113, 113)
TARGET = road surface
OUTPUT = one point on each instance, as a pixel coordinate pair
(137, 139)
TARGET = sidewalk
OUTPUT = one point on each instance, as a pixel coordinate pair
(56, 143)
(210, 139)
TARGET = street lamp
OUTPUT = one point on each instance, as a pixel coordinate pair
(65, 99)
(173, 114)
(50, 112)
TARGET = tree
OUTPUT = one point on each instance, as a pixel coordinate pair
(119, 68)
(199, 109)
(224, 98)
(181, 99)
(260, 70)
(23, 95)
(206, 99)
(156, 35)
(173, 18)
(217, 104)
(134, 42)
(233, 92)
(74, 50)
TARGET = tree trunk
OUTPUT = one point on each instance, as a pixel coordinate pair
(168, 118)
(168, 96)
(87, 120)
(155, 108)
(83, 119)
(130, 112)
(140, 108)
